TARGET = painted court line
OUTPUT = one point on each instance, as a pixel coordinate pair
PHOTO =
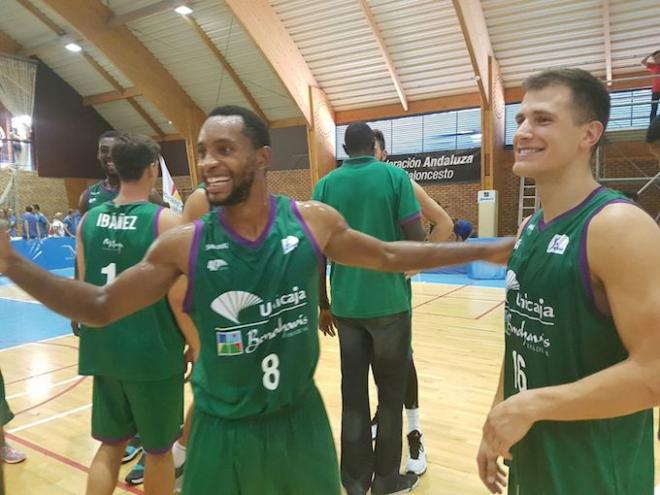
(441, 295)
(52, 385)
(15, 299)
(25, 344)
(53, 397)
(41, 374)
(49, 419)
(490, 310)
(65, 460)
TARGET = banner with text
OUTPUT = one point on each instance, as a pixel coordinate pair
(441, 166)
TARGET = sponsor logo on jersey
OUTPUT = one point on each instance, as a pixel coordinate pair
(215, 265)
(112, 245)
(277, 315)
(558, 244)
(511, 281)
(533, 340)
(113, 221)
(229, 343)
(289, 243)
(214, 247)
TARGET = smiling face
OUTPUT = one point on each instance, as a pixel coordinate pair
(550, 136)
(104, 158)
(228, 160)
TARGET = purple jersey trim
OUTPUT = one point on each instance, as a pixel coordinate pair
(410, 218)
(238, 239)
(584, 261)
(157, 221)
(192, 266)
(308, 233)
(161, 450)
(543, 225)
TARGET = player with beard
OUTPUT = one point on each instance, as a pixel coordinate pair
(253, 266)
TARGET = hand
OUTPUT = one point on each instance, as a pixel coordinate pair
(508, 422)
(499, 252)
(75, 328)
(189, 359)
(326, 323)
(491, 473)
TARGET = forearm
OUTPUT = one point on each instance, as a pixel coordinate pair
(73, 299)
(499, 393)
(406, 256)
(622, 389)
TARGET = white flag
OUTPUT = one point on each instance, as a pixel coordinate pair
(170, 193)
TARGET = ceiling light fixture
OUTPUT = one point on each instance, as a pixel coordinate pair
(183, 10)
(73, 47)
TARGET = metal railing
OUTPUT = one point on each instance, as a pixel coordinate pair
(16, 152)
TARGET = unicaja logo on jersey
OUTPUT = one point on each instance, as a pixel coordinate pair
(215, 265)
(231, 303)
(529, 308)
(511, 281)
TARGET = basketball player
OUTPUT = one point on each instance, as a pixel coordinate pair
(581, 370)
(137, 363)
(253, 268)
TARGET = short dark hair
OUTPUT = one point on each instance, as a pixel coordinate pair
(109, 135)
(359, 139)
(36, 207)
(590, 97)
(253, 127)
(28, 208)
(132, 154)
(657, 52)
(378, 136)
(653, 132)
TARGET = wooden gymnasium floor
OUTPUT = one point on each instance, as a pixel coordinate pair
(457, 341)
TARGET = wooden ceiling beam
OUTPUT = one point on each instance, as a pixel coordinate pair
(108, 96)
(394, 75)
(9, 45)
(607, 40)
(143, 12)
(475, 32)
(201, 34)
(139, 65)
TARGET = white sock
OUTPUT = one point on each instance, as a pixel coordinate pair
(413, 420)
(179, 455)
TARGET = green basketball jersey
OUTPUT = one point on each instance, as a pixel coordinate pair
(146, 345)
(255, 306)
(555, 335)
(99, 193)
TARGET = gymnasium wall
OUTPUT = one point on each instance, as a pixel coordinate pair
(49, 194)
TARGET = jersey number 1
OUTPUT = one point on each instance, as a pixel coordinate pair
(110, 272)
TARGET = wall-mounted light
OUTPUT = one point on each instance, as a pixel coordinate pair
(183, 10)
(73, 47)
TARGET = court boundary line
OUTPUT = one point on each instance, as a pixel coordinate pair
(25, 344)
(51, 386)
(53, 397)
(43, 421)
(441, 295)
(66, 460)
(40, 374)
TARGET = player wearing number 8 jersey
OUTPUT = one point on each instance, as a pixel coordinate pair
(582, 321)
(260, 426)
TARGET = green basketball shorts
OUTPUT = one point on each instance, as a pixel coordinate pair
(5, 413)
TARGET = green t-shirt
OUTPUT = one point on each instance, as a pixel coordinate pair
(374, 198)
(555, 335)
(99, 193)
(146, 345)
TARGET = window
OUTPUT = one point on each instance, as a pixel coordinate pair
(630, 110)
(459, 129)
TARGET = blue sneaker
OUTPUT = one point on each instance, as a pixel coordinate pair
(136, 475)
(133, 448)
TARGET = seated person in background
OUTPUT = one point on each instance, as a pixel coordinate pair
(462, 229)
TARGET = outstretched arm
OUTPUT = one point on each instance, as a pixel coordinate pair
(134, 289)
(350, 247)
(645, 60)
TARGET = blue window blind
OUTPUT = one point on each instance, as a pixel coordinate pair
(458, 129)
(630, 110)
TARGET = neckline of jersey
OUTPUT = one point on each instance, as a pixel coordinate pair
(359, 161)
(239, 239)
(590, 196)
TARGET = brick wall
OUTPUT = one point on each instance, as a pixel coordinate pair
(49, 194)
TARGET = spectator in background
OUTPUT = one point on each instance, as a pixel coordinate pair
(44, 224)
(57, 228)
(11, 216)
(30, 224)
(462, 230)
(654, 68)
(653, 137)
(71, 223)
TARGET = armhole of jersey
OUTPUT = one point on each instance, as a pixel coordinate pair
(410, 218)
(157, 221)
(192, 266)
(308, 233)
(585, 273)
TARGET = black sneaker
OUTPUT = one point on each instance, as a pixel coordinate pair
(136, 475)
(416, 454)
(178, 478)
(132, 450)
(403, 483)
